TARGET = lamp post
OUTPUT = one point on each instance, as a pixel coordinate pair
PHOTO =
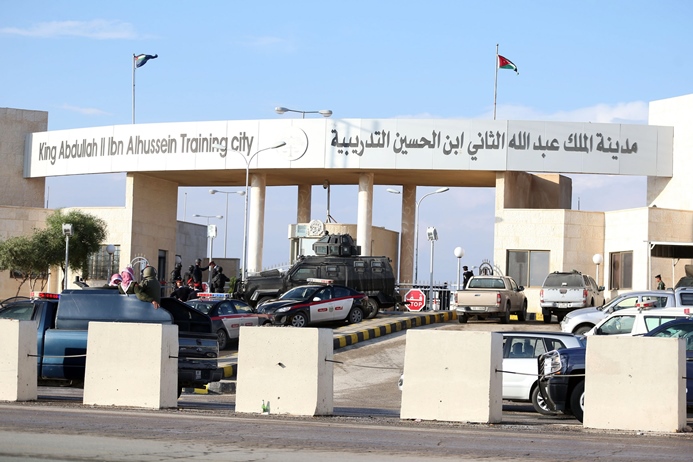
(432, 236)
(416, 231)
(248, 160)
(67, 231)
(322, 112)
(110, 248)
(459, 253)
(211, 234)
(597, 259)
(226, 226)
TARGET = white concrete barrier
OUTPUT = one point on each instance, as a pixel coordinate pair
(283, 370)
(18, 380)
(635, 383)
(132, 364)
(451, 376)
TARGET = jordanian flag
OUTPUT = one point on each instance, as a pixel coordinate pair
(505, 63)
(141, 60)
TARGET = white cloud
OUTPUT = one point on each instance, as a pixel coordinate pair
(632, 112)
(84, 110)
(99, 29)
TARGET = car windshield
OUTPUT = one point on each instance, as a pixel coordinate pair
(299, 293)
(564, 280)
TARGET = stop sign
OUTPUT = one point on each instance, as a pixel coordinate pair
(415, 299)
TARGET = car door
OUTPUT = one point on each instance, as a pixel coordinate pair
(322, 305)
(520, 353)
(617, 325)
(245, 314)
(228, 316)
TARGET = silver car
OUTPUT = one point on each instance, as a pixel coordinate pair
(583, 320)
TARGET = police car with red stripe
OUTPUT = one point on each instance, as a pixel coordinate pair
(228, 315)
(318, 302)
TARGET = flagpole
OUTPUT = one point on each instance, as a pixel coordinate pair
(133, 87)
(495, 86)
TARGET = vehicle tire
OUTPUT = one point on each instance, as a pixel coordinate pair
(522, 315)
(592, 302)
(505, 317)
(299, 320)
(355, 316)
(577, 401)
(462, 318)
(373, 308)
(539, 403)
(559, 317)
(547, 318)
(582, 329)
(180, 391)
(223, 339)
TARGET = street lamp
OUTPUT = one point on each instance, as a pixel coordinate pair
(211, 234)
(597, 259)
(110, 248)
(459, 253)
(416, 231)
(322, 112)
(248, 160)
(67, 231)
(432, 236)
(226, 228)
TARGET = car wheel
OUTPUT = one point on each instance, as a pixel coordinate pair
(299, 320)
(560, 317)
(373, 308)
(577, 401)
(539, 403)
(180, 391)
(505, 317)
(582, 329)
(547, 318)
(223, 339)
(355, 316)
(462, 318)
(522, 315)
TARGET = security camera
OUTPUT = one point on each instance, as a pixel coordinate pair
(67, 229)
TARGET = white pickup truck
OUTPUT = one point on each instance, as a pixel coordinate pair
(491, 296)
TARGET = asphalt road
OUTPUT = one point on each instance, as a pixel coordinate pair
(365, 425)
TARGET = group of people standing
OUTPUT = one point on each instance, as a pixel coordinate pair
(190, 283)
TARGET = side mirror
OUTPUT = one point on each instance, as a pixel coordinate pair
(521, 288)
(317, 299)
(601, 288)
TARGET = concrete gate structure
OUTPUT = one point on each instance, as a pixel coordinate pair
(533, 210)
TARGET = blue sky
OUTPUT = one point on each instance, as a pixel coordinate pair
(224, 60)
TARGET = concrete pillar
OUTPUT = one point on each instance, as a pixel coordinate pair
(451, 376)
(305, 192)
(285, 370)
(635, 383)
(406, 258)
(18, 380)
(365, 213)
(132, 364)
(256, 221)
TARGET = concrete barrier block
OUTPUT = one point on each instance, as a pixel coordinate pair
(132, 364)
(635, 383)
(285, 370)
(18, 380)
(451, 376)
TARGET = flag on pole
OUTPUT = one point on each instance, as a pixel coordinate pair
(141, 60)
(505, 63)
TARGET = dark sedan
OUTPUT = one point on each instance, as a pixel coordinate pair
(316, 303)
(228, 315)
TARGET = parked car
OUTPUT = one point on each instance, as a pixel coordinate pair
(562, 372)
(315, 303)
(584, 319)
(637, 321)
(228, 315)
(563, 292)
(520, 372)
(491, 296)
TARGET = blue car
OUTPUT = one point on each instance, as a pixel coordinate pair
(680, 328)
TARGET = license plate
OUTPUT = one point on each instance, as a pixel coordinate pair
(564, 305)
(478, 308)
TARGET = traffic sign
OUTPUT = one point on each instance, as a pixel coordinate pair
(415, 299)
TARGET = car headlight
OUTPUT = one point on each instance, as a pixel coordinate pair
(552, 363)
(283, 309)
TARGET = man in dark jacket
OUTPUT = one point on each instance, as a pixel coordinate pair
(219, 280)
(182, 291)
